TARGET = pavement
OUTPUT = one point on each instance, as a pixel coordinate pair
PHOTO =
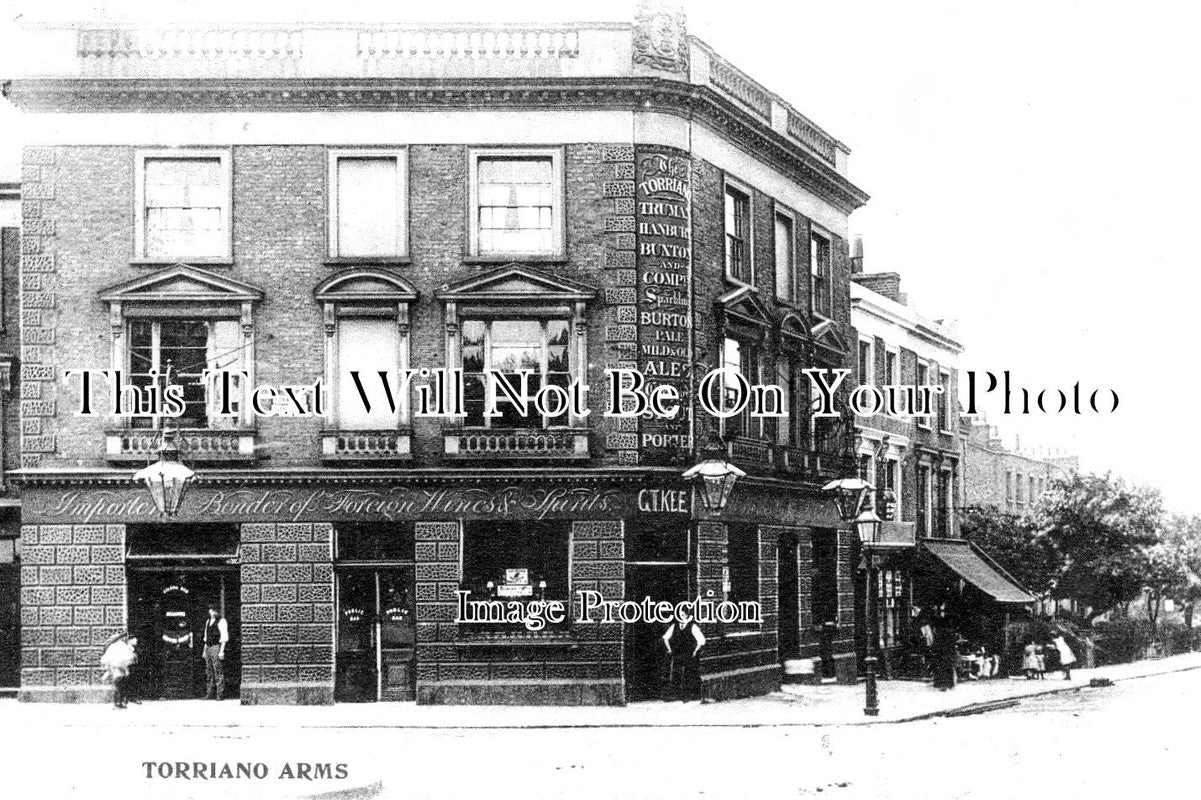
(1134, 738)
(795, 706)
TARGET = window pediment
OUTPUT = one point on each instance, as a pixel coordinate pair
(182, 283)
(365, 285)
(827, 339)
(516, 283)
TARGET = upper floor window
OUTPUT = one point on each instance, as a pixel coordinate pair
(506, 346)
(866, 350)
(786, 279)
(1009, 488)
(183, 203)
(821, 284)
(891, 359)
(517, 203)
(738, 235)
(368, 347)
(181, 350)
(923, 378)
(944, 401)
(367, 216)
(790, 428)
(743, 358)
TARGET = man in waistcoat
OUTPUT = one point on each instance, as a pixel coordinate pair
(216, 637)
(684, 640)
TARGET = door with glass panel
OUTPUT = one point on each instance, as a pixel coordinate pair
(376, 631)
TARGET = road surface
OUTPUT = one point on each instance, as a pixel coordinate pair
(1132, 740)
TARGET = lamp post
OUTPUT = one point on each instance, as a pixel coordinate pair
(714, 476)
(850, 495)
(867, 525)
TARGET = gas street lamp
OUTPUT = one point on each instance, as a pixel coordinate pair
(714, 476)
(166, 479)
(850, 495)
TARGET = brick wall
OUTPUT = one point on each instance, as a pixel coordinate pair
(287, 613)
(73, 598)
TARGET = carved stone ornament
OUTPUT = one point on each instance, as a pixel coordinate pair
(660, 36)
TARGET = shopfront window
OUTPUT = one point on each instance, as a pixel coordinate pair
(824, 593)
(742, 551)
(890, 589)
(516, 561)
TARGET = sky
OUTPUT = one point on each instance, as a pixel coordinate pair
(1032, 168)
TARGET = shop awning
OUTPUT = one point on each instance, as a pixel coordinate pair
(970, 563)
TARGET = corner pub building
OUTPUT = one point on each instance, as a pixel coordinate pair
(300, 202)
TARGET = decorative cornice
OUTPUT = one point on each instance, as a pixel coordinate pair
(685, 100)
(634, 476)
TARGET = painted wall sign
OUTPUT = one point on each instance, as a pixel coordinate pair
(272, 504)
(663, 217)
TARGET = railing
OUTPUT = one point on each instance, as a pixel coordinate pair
(751, 452)
(730, 79)
(807, 133)
(365, 445)
(790, 459)
(477, 44)
(248, 43)
(570, 443)
(897, 533)
(195, 444)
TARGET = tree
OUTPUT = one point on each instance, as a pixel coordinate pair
(1101, 530)
(1176, 566)
(1016, 543)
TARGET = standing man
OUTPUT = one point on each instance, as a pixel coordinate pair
(684, 640)
(216, 637)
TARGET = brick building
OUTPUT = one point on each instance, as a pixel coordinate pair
(1009, 478)
(915, 459)
(302, 202)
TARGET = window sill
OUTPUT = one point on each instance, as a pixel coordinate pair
(166, 261)
(509, 258)
(368, 261)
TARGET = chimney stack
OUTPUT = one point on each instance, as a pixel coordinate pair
(857, 255)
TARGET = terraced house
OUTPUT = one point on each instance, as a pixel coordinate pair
(299, 203)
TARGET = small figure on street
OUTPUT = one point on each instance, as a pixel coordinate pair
(216, 637)
(1030, 660)
(118, 658)
(945, 652)
(1050, 656)
(684, 640)
(1066, 657)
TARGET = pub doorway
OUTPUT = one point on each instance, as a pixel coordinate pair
(175, 572)
(376, 629)
(788, 634)
(658, 551)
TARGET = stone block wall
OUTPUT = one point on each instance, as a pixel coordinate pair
(287, 626)
(73, 598)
